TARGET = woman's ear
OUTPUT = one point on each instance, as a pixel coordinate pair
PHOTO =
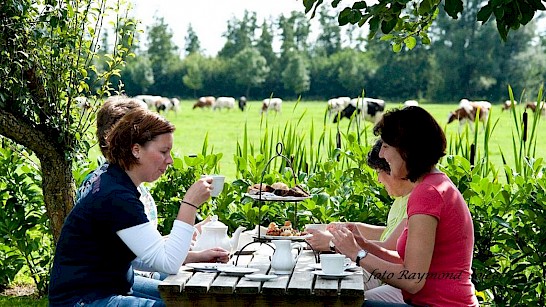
(136, 150)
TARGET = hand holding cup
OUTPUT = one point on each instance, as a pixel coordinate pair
(217, 184)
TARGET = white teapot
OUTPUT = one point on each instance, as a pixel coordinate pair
(214, 234)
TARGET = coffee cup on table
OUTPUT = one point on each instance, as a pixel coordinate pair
(321, 227)
(332, 264)
(217, 184)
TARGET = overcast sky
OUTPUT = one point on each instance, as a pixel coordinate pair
(209, 17)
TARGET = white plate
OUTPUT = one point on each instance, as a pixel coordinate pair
(206, 266)
(332, 276)
(317, 266)
(293, 238)
(237, 270)
(260, 277)
(270, 196)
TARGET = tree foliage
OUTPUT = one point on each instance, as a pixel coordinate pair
(48, 52)
(193, 45)
(250, 69)
(402, 21)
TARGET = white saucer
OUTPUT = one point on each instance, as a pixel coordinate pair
(206, 266)
(332, 276)
(260, 277)
(237, 270)
(317, 266)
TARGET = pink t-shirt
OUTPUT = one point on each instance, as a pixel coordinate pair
(448, 280)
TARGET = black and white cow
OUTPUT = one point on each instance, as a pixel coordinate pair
(369, 109)
(242, 103)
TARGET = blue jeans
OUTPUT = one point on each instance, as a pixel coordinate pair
(382, 304)
(146, 288)
(122, 301)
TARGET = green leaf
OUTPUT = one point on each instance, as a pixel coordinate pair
(388, 25)
(344, 16)
(453, 8)
(360, 5)
(484, 13)
(397, 47)
(410, 42)
(424, 7)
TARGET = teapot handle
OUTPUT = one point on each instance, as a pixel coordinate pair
(196, 233)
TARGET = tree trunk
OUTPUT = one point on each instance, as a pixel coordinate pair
(58, 190)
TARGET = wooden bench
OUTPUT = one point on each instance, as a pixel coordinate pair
(188, 288)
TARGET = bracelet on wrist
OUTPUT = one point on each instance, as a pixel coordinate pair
(188, 203)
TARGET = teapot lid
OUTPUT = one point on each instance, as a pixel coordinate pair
(215, 223)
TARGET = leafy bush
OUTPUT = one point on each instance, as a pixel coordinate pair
(24, 227)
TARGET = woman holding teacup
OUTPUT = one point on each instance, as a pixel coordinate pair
(433, 256)
(108, 228)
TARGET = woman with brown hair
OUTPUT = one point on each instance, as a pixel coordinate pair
(108, 228)
(433, 256)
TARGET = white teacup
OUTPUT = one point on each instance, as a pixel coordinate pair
(332, 264)
(217, 184)
(321, 227)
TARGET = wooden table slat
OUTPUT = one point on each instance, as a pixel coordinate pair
(200, 282)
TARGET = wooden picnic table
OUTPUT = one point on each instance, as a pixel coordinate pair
(302, 287)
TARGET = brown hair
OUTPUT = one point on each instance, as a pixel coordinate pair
(416, 135)
(110, 113)
(374, 161)
(139, 126)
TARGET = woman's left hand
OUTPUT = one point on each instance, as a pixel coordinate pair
(345, 242)
(216, 254)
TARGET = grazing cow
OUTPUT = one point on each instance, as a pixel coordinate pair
(468, 110)
(162, 104)
(370, 109)
(175, 105)
(83, 104)
(336, 105)
(167, 104)
(347, 112)
(242, 103)
(205, 102)
(533, 106)
(508, 104)
(411, 103)
(224, 103)
(274, 104)
(150, 100)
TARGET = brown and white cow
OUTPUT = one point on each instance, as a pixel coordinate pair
(468, 110)
(507, 105)
(271, 104)
(534, 107)
(205, 102)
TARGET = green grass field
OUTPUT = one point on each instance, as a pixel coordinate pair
(226, 127)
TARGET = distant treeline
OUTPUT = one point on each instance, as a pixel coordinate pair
(464, 60)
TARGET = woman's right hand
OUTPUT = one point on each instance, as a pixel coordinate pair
(199, 192)
(320, 241)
